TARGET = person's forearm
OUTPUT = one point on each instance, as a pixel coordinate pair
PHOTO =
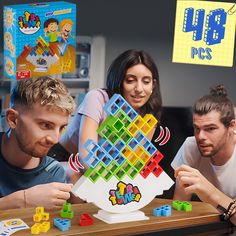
(221, 201)
(14, 200)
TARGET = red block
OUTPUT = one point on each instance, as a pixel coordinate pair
(157, 171)
(157, 156)
(85, 219)
(145, 172)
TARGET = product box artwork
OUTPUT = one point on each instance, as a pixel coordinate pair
(39, 39)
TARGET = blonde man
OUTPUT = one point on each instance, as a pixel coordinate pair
(39, 111)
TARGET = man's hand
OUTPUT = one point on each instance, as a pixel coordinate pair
(192, 181)
(50, 196)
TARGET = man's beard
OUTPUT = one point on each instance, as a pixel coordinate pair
(31, 151)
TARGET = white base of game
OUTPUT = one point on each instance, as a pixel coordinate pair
(112, 218)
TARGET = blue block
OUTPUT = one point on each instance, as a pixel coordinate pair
(119, 159)
(119, 145)
(62, 224)
(162, 211)
(105, 144)
(116, 103)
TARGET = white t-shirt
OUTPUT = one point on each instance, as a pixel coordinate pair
(223, 177)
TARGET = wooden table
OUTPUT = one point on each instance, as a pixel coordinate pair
(201, 216)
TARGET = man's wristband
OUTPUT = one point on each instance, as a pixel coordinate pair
(227, 213)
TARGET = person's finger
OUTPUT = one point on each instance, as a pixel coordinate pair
(186, 181)
(190, 189)
(63, 187)
(184, 173)
(63, 195)
(184, 168)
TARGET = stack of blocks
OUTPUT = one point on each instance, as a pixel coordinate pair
(42, 55)
(39, 216)
(123, 148)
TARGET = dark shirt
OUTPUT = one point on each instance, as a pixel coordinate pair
(13, 178)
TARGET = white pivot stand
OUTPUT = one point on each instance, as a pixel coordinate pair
(99, 194)
(111, 218)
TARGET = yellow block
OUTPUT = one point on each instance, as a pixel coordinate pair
(45, 226)
(35, 229)
(37, 217)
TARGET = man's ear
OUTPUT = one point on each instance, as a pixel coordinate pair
(11, 117)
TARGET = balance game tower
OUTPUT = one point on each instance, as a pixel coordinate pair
(124, 173)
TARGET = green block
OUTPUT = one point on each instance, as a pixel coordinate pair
(138, 165)
(113, 167)
(182, 206)
(67, 206)
(88, 172)
(123, 117)
(120, 174)
(69, 214)
(132, 173)
(186, 206)
(104, 130)
(120, 115)
(118, 125)
(126, 121)
(106, 175)
(126, 166)
(126, 137)
(92, 174)
(66, 211)
(177, 205)
(113, 138)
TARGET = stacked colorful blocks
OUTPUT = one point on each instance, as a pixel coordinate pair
(124, 148)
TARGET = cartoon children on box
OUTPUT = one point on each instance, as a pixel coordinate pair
(51, 29)
(66, 28)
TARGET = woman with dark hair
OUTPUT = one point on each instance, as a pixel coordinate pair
(134, 75)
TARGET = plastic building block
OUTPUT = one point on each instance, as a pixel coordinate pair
(37, 217)
(38, 228)
(40, 214)
(85, 219)
(62, 224)
(162, 211)
(117, 102)
(66, 211)
(182, 206)
(152, 165)
(45, 226)
(35, 229)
